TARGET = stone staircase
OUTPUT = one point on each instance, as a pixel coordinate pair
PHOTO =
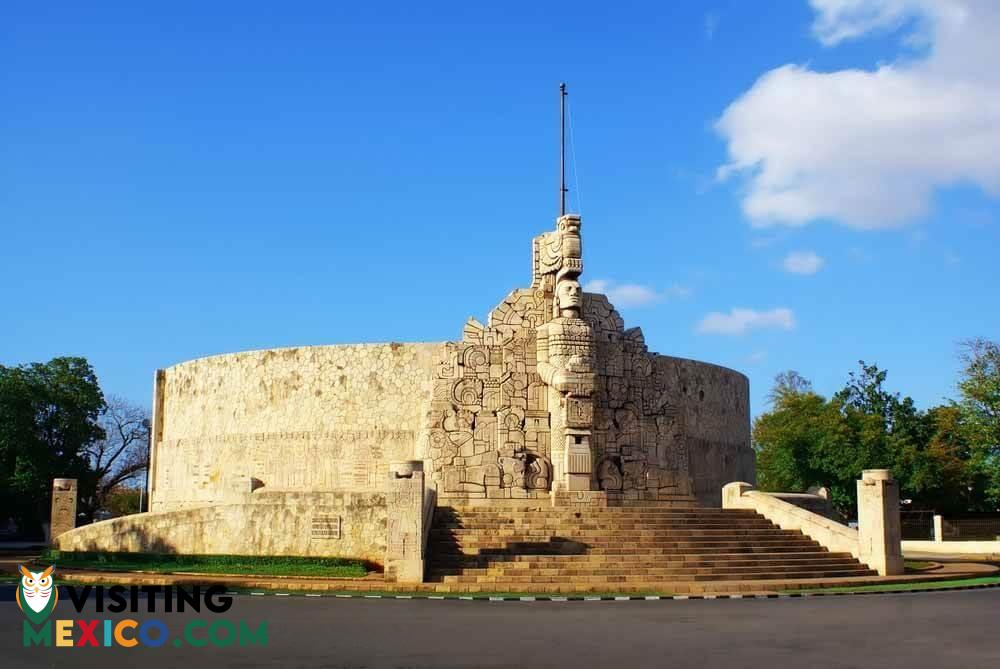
(627, 548)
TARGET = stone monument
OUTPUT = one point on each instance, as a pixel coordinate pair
(565, 357)
(320, 450)
(63, 517)
(405, 507)
(879, 530)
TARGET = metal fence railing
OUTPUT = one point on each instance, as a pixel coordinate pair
(971, 527)
(917, 525)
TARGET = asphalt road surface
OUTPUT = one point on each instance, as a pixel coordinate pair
(940, 630)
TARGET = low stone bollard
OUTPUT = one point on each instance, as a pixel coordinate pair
(879, 531)
(63, 518)
(404, 559)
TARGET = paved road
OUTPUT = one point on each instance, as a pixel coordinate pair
(939, 630)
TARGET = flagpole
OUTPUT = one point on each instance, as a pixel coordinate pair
(562, 149)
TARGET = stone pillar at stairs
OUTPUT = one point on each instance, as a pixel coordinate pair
(879, 531)
(404, 559)
(64, 499)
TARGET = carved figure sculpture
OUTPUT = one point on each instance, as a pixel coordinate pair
(538, 472)
(564, 349)
(609, 474)
(554, 392)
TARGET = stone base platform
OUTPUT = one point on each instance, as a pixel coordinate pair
(608, 548)
(647, 549)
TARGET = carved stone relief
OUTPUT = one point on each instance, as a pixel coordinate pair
(554, 387)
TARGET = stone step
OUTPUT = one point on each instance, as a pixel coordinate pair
(547, 561)
(681, 548)
(612, 581)
(621, 547)
(720, 515)
(629, 528)
(579, 544)
(650, 571)
(647, 571)
(698, 560)
(603, 524)
(597, 517)
(767, 530)
(602, 520)
(562, 513)
(544, 504)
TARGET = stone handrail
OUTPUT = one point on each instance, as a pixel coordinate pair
(834, 536)
(809, 501)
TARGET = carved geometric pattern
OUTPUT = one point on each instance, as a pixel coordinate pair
(492, 421)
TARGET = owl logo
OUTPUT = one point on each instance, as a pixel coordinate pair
(36, 593)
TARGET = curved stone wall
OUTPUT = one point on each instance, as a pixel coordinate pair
(294, 419)
(344, 524)
(715, 402)
(329, 418)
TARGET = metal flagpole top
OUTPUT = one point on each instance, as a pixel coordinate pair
(562, 149)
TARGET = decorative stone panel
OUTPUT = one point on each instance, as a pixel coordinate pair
(64, 499)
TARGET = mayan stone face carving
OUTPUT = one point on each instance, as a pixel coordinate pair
(565, 357)
(553, 393)
(64, 498)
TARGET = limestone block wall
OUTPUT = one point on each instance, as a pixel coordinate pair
(329, 524)
(294, 419)
(715, 404)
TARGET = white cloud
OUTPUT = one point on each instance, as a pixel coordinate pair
(756, 357)
(802, 262)
(633, 294)
(839, 20)
(868, 148)
(740, 321)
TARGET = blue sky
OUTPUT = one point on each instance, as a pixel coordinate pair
(202, 178)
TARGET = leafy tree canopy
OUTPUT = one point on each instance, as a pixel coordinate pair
(941, 457)
(48, 418)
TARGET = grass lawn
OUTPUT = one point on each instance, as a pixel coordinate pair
(982, 580)
(209, 564)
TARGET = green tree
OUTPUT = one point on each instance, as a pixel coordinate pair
(806, 440)
(121, 501)
(788, 383)
(787, 439)
(979, 404)
(934, 466)
(48, 418)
